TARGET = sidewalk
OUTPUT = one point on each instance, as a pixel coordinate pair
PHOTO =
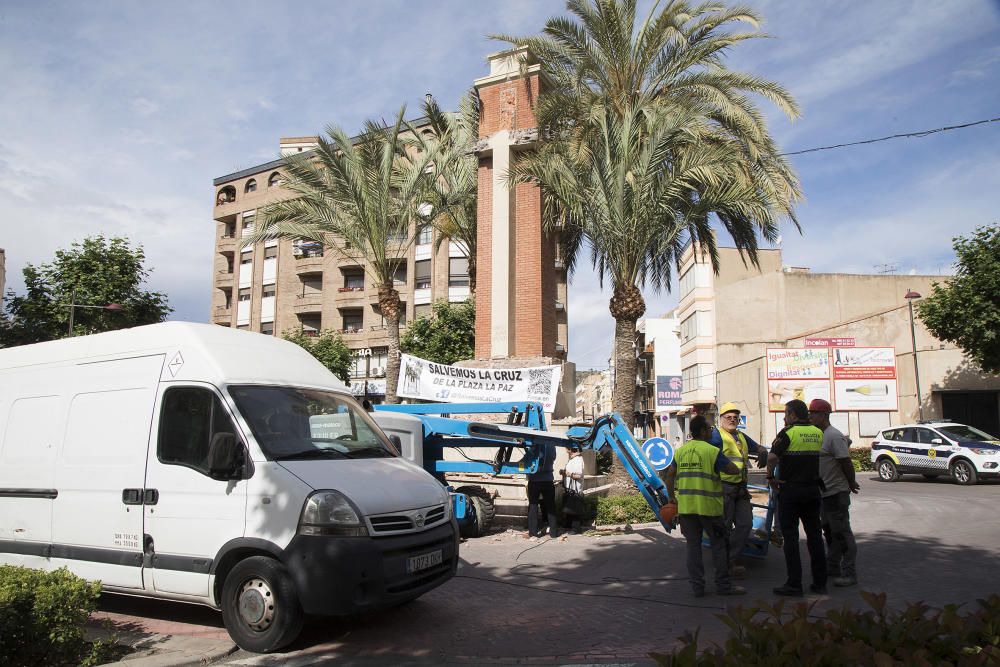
(158, 641)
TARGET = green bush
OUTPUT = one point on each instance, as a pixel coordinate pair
(612, 510)
(918, 635)
(862, 459)
(42, 615)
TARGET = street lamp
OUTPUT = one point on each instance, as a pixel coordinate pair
(111, 307)
(910, 296)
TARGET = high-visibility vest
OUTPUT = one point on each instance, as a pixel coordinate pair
(699, 487)
(804, 440)
(737, 451)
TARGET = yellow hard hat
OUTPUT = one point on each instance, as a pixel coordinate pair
(729, 407)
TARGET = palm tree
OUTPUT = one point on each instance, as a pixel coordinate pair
(451, 194)
(649, 141)
(358, 197)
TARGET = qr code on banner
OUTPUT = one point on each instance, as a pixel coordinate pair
(540, 380)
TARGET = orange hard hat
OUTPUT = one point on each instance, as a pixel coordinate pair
(668, 512)
(819, 405)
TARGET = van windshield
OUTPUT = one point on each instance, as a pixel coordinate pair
(294, 423)
(963, 432)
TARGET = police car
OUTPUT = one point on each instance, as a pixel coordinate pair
(936, 448)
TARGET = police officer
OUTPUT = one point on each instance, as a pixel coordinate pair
(737, 510)
(698, 489)
(795, 452)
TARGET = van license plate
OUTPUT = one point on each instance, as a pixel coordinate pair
(424, 561)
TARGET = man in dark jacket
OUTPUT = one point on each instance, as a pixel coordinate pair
(542, 493)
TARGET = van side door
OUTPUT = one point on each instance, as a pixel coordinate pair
(192, 505)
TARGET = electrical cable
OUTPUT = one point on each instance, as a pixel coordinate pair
(906, 135)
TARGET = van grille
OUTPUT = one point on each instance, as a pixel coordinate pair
(410, 521)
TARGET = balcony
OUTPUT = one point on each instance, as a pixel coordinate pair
(308, 264)
(227, 243)
(222, 315)
(308, 304)
(224, 278)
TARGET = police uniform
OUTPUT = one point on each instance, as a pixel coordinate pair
(699, 507)
(799, 499)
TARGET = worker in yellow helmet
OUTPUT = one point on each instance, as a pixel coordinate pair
(738, 512)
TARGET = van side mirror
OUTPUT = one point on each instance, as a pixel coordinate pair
(936, 441)
(397, 443)
(225, 457)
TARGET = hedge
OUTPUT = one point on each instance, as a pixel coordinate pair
(862, 459)
(918, 635)
(42, 617)
(612, 510)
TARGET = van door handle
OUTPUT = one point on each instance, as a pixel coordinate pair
(150, 497)
(132, 496)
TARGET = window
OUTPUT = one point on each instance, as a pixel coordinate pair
(687, 282)
(696, 324)
(424, 235)
(422, 310)
(274, 180)
(243, 327)
(267, 328)
(377, 362)
(229, 298)
(310, 325)
(229, 230)
(354, 280)
(382, 320)
(292, 421)
(396, 237)
(251, 186)
(311, 286)
(359, 365)
(399, 277)
(353, 319)
(271, 252)
(244, 294)
(458, 271)
(192, 420)
(226, 195)
(422, 274)
(925, 435)
(698, 376)
(247, 227)
(269, 290)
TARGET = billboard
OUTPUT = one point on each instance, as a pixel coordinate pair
(668, 391)
(864, 378)
(797, 373)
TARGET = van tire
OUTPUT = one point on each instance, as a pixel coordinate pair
(483, 511)
(887, 471)
(260, 607)
(963, 472)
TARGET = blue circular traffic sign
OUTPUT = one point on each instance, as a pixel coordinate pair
(659, 452)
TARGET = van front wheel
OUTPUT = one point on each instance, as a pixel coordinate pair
(259, 605)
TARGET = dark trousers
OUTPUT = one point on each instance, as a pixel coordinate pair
(542, 498)
(841, 546)
(801, 502)
(738, 517)
(692, 528)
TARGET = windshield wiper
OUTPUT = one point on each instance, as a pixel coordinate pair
(311, 454)
(367, 453)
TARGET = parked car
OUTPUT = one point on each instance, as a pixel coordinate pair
(936, 448)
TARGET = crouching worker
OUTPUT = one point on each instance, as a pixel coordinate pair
(698, 489)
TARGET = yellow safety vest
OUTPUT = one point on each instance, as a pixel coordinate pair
(699, 487)
(737, 451)
(804, 440)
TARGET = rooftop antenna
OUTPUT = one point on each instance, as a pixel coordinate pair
(884, 269)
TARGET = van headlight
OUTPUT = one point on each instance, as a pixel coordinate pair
(985, 452)
(448, 505)
(331, 513)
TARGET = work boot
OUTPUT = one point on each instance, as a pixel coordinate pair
(817, 589)
(788, 591)
(843, 582)
(733, 590)
(777, 539)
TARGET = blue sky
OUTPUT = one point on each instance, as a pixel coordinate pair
(116, 116)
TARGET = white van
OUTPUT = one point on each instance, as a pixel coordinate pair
(198, 463)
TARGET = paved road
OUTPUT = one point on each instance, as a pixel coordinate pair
(613, 599)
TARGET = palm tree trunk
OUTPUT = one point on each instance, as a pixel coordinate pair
(626, 306)
(388, 303)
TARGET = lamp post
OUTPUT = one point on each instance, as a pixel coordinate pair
(111, 307)
(910, 296)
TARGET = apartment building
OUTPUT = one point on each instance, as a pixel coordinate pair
(728, 322)
(283, 285)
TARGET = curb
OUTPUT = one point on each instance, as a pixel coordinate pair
(171, 651)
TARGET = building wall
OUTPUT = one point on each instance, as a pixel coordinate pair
(782, 306)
